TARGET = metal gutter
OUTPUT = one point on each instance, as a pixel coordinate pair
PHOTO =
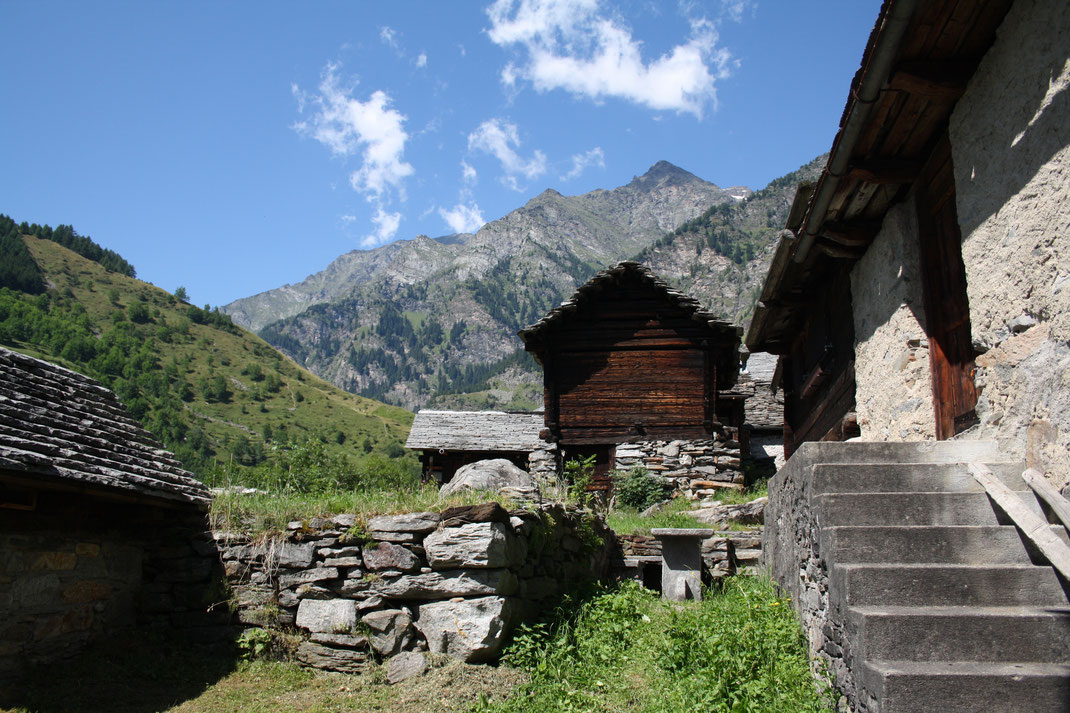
(874, 79)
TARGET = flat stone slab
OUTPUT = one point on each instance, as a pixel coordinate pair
(700, 532)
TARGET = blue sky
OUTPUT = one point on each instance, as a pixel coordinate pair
(233, 147)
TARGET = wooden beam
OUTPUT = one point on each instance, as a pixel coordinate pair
(1040, 485)
(885, 171)
(932, 80)
(859, 233)
(839, 252)
(1036, 529)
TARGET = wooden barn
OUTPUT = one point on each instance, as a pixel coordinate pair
(448, 440)
(628, 359)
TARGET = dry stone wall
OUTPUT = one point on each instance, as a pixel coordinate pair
(453, 583)
(727, 552)
(694, 468)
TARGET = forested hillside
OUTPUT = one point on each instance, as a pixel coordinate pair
(209, 390)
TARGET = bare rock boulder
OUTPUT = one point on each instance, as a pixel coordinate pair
(471, 630)
(491, 475)
(752, 513)
(389, 630)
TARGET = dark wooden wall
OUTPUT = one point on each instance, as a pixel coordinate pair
(627, 366)
(818, 374)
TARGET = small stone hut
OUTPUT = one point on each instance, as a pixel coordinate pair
(448, 440)
(629, 360)
(100, 527)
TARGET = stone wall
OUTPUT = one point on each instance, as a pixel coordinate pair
(1010, 139)
(791, 552)
(452, 583)
(75, 569)
(893, 395)
(694, 468)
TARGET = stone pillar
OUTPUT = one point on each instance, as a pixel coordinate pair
(681, 561)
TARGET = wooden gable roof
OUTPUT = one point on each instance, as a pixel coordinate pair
(602, 285)
(59, 428)
(917, 62)
(483, 431)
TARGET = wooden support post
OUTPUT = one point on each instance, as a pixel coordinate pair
(1036, 529)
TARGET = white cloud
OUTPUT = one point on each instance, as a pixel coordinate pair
(386, 226)
(421, 59)
(389, 36)
(580, 162)
(372, 129)
(463, 218)
(347, 219)
(501, 139)
(468, 173)
(573, 45)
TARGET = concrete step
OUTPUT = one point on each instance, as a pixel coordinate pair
(957, 687)
(838, 509)
(901, 452)
(991, 634)
(919, 585)
(910, 477)
(919, 544)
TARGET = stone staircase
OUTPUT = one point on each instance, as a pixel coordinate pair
(932, 600)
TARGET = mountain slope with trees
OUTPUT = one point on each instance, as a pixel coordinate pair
(209, 390)
(432, 323)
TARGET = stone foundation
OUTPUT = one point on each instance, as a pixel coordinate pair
(74, 569)
(453, 583)
(694, 468)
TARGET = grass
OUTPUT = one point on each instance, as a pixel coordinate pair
(271, 512)
(628, 521)
(625, 649)
(144, 674)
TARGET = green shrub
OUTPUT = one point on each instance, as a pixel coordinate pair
(636, 488)
(579, 472)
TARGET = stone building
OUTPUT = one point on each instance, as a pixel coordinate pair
(919, 303)
(448, 440)
(100, 527)
(922, 289)
(634, 374)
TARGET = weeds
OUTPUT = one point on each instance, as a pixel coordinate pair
(625, 649)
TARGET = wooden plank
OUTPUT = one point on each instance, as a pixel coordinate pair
(1040, 485)
(1036, 529)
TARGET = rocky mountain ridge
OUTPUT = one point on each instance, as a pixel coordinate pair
(433, 321)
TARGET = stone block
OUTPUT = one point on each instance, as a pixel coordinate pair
(415, 522)
(296, 556)
(340, 641)
(387, 555)
(342, 562)
(390, 630)
(328, 658)
(406, 665)
(54, 561)
(87, 549)
(471, 630)
(446, 584)
(307, 576)
(86, 590)
(328, 616)
(481, 544)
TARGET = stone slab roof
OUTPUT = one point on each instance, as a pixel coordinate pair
(60, 427)
(476, 431)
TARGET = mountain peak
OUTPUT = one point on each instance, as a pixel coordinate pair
(664, 172)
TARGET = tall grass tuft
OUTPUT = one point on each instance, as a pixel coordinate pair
(740, 650)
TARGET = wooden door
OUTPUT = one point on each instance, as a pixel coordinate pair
(947, 308)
